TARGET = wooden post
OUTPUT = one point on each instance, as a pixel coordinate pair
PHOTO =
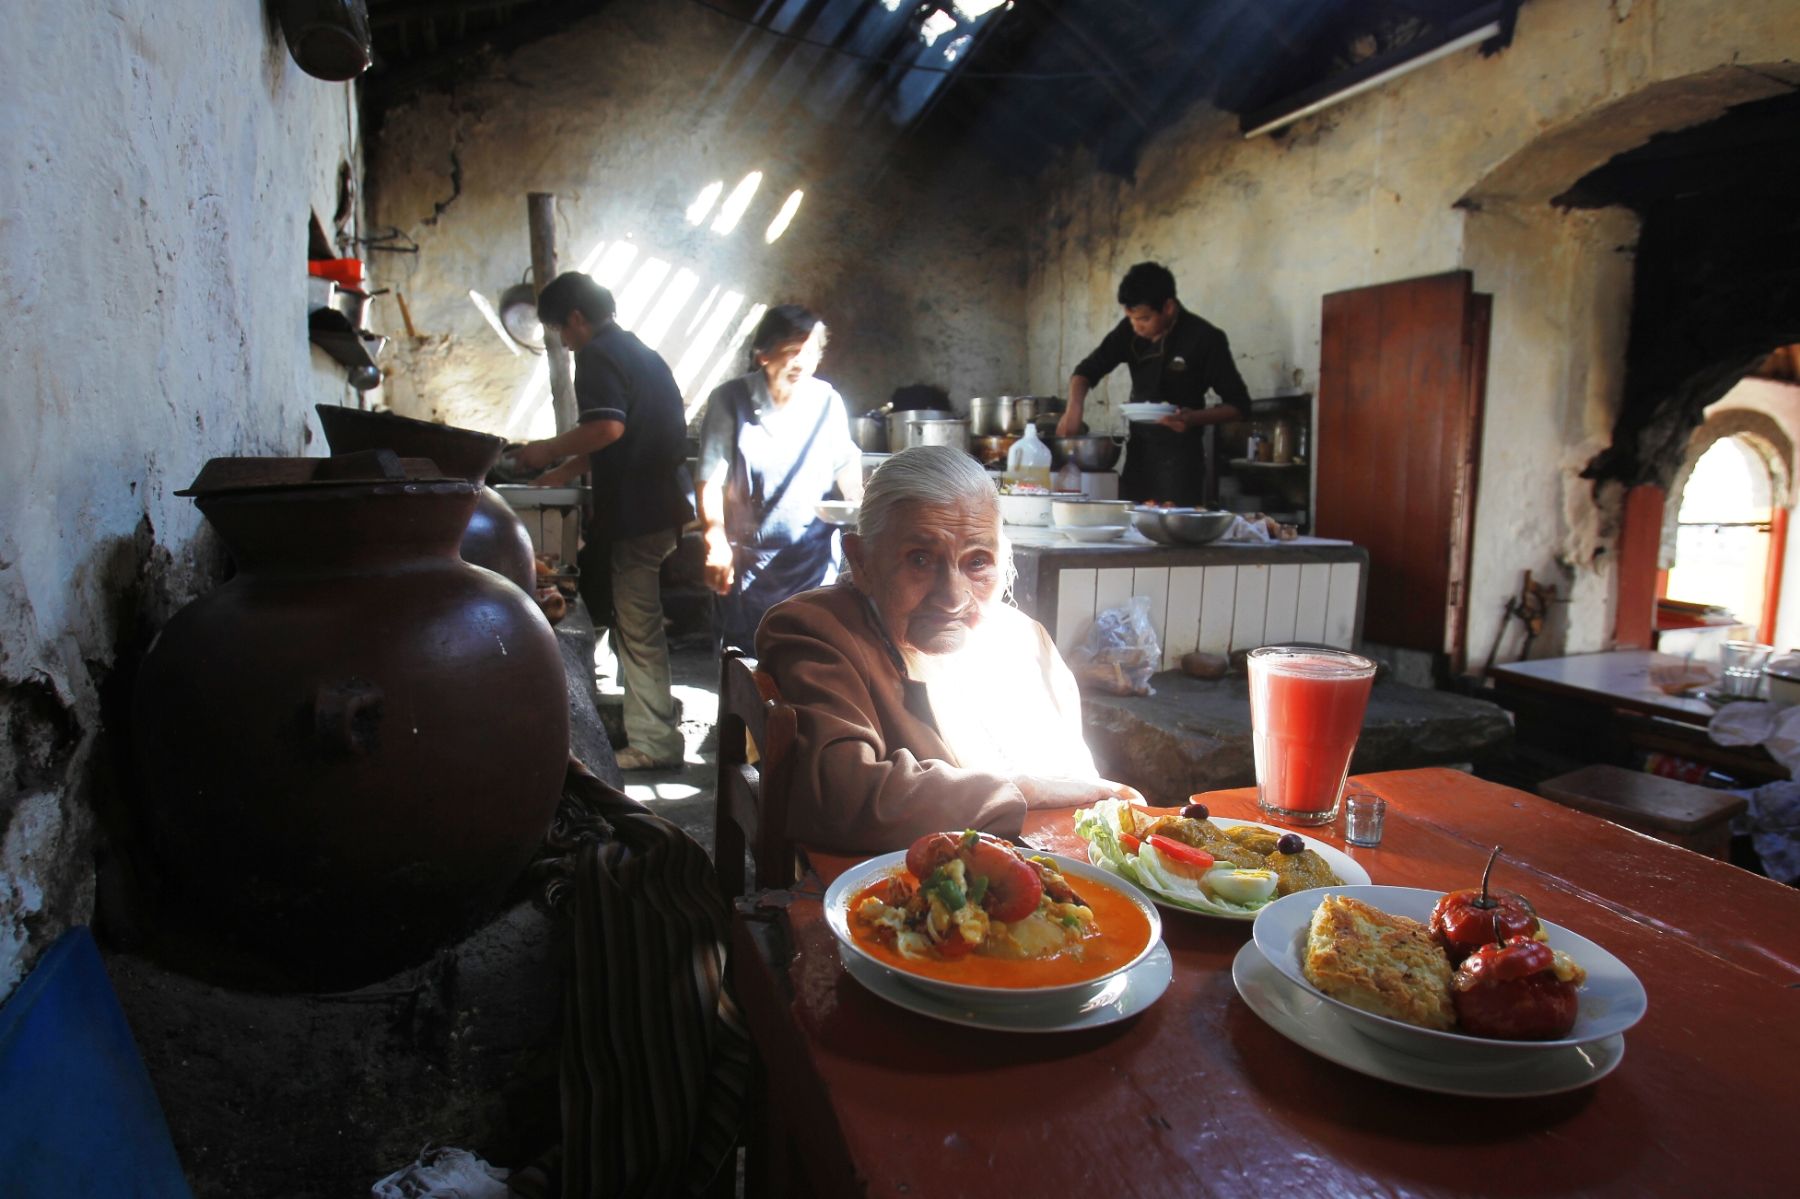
(1640, 539)
(540, 211)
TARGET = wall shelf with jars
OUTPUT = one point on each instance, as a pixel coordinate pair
(1264, 463)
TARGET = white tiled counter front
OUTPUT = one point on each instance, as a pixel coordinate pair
(1218, 598)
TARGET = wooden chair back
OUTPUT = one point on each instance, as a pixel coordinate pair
(756, 741)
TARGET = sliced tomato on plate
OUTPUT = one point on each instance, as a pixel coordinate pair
(1181, 856)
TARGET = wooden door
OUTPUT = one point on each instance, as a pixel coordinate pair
(1401, 377)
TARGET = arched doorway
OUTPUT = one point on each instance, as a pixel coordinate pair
(1726, 540)
(1724, 536)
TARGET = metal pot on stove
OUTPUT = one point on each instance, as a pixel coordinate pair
(923, 429)
(991, 416)
(1025, 411)
(870, 433)
(898, 423)
(1002, 416)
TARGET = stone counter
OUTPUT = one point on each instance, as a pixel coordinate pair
(1218, 598)
(1194, 735)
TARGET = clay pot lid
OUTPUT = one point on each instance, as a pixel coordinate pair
(222, 476)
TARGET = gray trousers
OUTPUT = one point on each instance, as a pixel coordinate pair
(642, 646)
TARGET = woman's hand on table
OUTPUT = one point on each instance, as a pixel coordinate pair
(1072, 793)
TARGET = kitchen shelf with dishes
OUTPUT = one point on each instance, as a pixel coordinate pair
(1264, 463)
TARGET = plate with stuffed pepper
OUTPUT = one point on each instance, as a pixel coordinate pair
(1192, 861)
(965, 926)
(1469, 976)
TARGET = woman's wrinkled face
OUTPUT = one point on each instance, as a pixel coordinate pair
(792, 361)
(932, 573)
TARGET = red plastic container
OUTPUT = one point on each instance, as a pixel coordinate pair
(345, 272)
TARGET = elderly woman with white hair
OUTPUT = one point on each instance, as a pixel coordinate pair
(925, 700)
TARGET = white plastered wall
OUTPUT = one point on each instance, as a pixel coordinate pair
(1450, 167)
(158, 161)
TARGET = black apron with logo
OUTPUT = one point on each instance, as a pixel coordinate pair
(1162, 464)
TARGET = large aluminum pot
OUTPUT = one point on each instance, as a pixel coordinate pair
(1025, 410)
(1089, 453)
(869, 432)
(897, 422)
(991, 416)
(953, 432)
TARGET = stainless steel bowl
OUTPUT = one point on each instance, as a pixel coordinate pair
(1197, 528)
(1089, 453)
(1149, 522)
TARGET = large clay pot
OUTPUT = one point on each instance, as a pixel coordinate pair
(349, 751)
(496, 538)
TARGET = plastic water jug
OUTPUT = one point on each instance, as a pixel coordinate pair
(1027, 463)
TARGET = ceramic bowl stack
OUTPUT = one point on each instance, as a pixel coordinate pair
(1090, 520)
(1145, 413)
(1025, 508)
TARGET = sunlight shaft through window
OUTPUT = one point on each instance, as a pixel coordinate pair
(732, 211)
(701, 208)
(785, 217)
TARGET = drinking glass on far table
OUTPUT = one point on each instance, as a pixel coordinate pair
(1742, 663)
(1306, 711)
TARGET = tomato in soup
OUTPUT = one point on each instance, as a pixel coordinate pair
(1123, 931)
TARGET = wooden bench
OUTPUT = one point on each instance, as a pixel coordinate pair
(1684, 814)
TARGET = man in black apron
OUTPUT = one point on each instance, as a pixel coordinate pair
(1174, 358)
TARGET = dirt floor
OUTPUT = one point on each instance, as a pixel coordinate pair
(682, 796)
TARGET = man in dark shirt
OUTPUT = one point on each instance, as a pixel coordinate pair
(633, 433)
(1174, 358)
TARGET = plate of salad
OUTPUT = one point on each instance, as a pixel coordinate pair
(1217, 866)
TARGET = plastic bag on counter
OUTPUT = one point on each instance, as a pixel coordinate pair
(1121, 651)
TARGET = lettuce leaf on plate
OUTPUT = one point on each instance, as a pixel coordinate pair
(1100, 826)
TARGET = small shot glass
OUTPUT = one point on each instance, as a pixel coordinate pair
(1363, 817)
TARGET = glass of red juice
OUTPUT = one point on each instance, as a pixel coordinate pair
(1306, 711)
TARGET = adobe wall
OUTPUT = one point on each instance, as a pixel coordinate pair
(915, 261)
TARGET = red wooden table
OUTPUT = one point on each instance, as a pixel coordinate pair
(1198, 1096)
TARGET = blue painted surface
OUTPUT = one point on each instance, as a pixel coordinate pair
(78, 1116)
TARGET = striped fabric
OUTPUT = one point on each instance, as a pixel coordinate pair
(655, 1060)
